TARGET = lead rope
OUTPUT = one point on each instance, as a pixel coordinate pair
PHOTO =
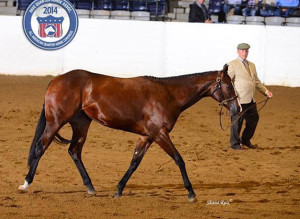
(222, 104)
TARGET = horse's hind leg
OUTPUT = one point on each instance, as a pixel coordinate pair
(166, 144)
(80, 125)
(42, 144)
(140, 150)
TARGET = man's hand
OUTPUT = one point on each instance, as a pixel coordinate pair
(269, 94)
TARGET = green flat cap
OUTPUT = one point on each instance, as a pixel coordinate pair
(243, 46)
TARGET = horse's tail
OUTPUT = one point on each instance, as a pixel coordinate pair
(38, 133)
(60, 140)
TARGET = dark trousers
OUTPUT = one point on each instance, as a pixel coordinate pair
(251, 116)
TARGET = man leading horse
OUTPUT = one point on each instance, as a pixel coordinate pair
(244, 77)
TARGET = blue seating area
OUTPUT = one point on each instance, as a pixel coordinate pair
(103, 5)
(222, 11)
(231, 11)
(278, 8)
(23, 4)
(120, 5)
(155, 7)
(139, 5)
(83, 4)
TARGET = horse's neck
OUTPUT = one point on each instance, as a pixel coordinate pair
(190, 90)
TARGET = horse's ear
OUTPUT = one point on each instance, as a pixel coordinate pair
(225, 68)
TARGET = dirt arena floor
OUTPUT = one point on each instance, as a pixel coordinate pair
(259, 183)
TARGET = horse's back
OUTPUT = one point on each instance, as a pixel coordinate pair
(116, 102)
(78, 77)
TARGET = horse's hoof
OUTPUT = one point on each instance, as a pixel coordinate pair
(91, 189)
(192, 199)
(117, 195)
(91, 192)
(24, 187)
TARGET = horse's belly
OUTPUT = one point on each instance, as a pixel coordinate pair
(117, 118)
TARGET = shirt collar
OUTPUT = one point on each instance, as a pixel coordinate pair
(199, 4)
(243, 60)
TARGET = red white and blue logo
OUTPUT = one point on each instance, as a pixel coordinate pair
(50, 24)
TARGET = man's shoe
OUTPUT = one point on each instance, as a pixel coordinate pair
(236, 147)
(247, 144)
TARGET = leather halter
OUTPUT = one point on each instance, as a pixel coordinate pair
(226, 101)
(218, 87)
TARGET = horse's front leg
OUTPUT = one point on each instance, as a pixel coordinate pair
(142, 145)
(166, 144)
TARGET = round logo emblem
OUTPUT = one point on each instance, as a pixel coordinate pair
(50, 24)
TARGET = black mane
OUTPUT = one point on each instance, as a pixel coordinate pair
(181, 76)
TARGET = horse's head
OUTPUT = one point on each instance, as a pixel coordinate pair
(223, 91)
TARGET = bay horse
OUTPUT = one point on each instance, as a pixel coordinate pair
(147, 106)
